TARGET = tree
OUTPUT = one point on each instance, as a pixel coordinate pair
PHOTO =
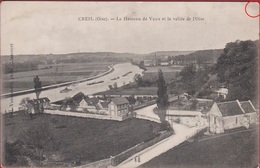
(187, 77)
(194, 104)
(110, 87)
(40, 138)
(162, 101)
(26, 107)
(141, 64)
(138, 79)
(14, 154)
(115, 85)
(37, 86)
(237, 67)
(25, 104)
(131, 99)
(124, 85)
(200, 82)
(200, 79)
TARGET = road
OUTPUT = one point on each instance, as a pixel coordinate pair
(54, 94)
(229, 150)
(182, 133)
(147, 113)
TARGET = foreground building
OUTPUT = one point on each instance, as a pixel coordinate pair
(233, 114)
(250, 111)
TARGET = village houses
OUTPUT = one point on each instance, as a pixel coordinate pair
(116, 107)
(93, 104)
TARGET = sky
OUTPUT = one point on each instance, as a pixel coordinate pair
(54, 27)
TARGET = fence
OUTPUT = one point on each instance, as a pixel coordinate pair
(148, 118)
(98, 164)
(136, 107)
(116, 160)
(83, 115)
(198, 133)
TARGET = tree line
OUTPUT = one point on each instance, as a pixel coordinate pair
(20, 67)
(199, 57)
(236, 69)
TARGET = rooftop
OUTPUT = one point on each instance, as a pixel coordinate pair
(247, 106)
(104, 104)
(230, 108)
(92, 101)
(120, 100)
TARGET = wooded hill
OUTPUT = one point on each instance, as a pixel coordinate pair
(165, 54)
(201, 56)
(238, 68)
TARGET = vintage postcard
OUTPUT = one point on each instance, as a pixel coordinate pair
(129, 84)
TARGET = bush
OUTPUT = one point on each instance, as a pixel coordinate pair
(14, 154)
(165, 125)
(178, 120)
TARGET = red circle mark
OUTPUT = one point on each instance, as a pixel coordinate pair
(252, 16)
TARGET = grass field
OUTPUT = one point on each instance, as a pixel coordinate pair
(164, 68)
(229, 151)
(169, 73)
(58, 73)
(131, 91)
(150, 75)
(88, 139)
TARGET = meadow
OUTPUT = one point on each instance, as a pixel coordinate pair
(231, 150)
(53, 74)
(169, 73)
(87, 139)
(131, 91)
(150, 77)
(164, 68)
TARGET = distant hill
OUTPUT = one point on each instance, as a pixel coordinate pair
(86, 56)
(210, 56)
(166, 54)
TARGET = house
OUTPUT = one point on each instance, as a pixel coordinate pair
(249, 110)
(184, 96)
(228, 115)
(118, 107)
(46, 102)
(104, 105)
(149, 63)
(90, 104)
(71, 103)
(222, 92)
(103, 108)
(38, 106)
(164, 63)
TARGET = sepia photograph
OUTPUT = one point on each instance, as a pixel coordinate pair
(129, 84)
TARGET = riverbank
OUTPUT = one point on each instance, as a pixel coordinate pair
(58, 85)
(55, 93)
